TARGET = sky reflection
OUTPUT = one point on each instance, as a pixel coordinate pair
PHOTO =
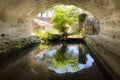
(67, 58)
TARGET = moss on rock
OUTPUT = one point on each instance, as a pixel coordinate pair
(19, 44)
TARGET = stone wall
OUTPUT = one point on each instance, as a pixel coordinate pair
(16, 15)
(11, 45)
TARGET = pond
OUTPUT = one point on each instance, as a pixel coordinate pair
(63, 58)
(66, 61)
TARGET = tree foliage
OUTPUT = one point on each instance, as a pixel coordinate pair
(63, 16)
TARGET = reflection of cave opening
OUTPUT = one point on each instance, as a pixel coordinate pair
(64, 58)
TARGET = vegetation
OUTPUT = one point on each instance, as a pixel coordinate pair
(59, 58)
(77, 31)
(65, 17)
(42, 35)
(62, 57)
(51, 34)
(83, 33)
(43, 46)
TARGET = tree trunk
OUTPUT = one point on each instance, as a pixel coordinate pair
(41, 14)
(65, 34)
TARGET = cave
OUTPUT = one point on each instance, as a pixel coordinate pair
(16, 18)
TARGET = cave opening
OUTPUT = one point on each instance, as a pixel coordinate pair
(43, 24)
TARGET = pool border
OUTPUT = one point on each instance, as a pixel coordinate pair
(109, 75)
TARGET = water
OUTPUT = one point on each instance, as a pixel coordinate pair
(66, 58)
(62, 61)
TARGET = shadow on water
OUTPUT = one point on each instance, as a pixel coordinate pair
(13, 56)
(66, 61)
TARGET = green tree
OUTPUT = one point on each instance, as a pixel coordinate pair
(63, 16)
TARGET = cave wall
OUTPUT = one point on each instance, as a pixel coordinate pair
(16, 15)
(14, 30)
(110, 25)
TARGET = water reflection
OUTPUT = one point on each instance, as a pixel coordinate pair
(64, 58)
(82, 54)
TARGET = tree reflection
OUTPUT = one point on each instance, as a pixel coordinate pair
(82, 54)
(63, 58)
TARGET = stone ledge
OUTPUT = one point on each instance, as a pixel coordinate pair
(18, 44)
(108, 50)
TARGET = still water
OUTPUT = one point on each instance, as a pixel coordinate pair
(63, 61)
(65, 58)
